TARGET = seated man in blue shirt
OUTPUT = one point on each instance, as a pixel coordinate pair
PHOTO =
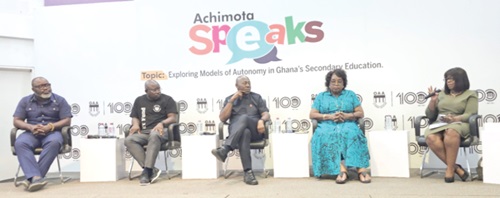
(42, 114)
(247, 112)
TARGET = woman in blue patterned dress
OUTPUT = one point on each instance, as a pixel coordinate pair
(338, 142)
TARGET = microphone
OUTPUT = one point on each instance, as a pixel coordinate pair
(433, 93)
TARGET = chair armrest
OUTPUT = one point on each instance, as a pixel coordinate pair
(474, 127)
(416, 124)
(13, 134)
(267, 124)
(66, 133)
(67, 143)
(174, 133)
(221, 130)
(361, 124)
(126, 131)
(314, 123)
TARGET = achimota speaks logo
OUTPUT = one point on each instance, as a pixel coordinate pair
(250, 38)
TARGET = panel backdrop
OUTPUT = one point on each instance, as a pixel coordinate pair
(98, 56)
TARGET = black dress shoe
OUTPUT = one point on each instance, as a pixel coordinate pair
(449, 179)
(464, 176)
(220, 153)
(250, 178)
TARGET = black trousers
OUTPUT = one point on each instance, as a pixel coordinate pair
(242, 131)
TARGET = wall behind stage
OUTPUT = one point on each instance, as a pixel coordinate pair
(98, 56)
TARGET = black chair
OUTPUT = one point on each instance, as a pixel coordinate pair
(174, 142)
(65, 148)
(464, 143)
(258, 145)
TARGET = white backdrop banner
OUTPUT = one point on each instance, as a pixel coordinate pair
(98, 56)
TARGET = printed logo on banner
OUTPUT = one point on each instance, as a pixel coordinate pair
(379, 99)
(411, 98)
(368, 123)
(287, 102)
(305, 124)
(489, 95)
(423, 122)
(360, 98)
(191, 127)
(74, 153)
(175, 153)
(119, 107)
(94, 108)
(201, 105)
(75, 108)
(82, 130)
(210, 125)
(488, 118)
(413, 148)
(249, 38)
(313, 96)
(183, 105)
(183, 128)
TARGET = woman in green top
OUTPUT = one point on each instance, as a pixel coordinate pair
(453, 107)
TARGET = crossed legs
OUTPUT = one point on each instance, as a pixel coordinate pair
(445, 145)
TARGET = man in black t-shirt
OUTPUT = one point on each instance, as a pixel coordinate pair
(151, 114)
(247, 112)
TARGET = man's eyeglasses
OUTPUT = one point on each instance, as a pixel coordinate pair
(46, 85)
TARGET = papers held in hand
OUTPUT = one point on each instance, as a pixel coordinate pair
(439, 122)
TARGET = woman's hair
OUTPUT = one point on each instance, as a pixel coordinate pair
(459, 76)
(338, 72)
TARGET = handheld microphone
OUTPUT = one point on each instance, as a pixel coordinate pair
(433, 93)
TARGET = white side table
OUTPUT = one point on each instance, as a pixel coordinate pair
(197, 159)
(489, 139)
(290, 155)
(389, 154)
(102, 160)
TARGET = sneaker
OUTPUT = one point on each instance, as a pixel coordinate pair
(37, 185)
(26, 183)
(250, 178)
(220, 153)
(155, 175)
(144, 180)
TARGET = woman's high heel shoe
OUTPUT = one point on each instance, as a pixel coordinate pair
(464, 176)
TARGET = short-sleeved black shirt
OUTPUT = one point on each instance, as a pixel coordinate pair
(151, 112)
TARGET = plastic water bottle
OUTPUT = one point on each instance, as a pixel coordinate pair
(100, 130)
(289, 125)
(277, 125)
(388, 123)
(199, 125)
(111, 130)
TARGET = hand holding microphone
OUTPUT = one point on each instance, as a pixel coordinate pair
(432, 92)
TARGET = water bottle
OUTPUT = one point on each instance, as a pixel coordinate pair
(388, 123)
(277, 125)
(111, 130)
(199, 125)
(106, 129)
(289, 125)
(100, 130)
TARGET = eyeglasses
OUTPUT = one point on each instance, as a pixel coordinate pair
(46, 85)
